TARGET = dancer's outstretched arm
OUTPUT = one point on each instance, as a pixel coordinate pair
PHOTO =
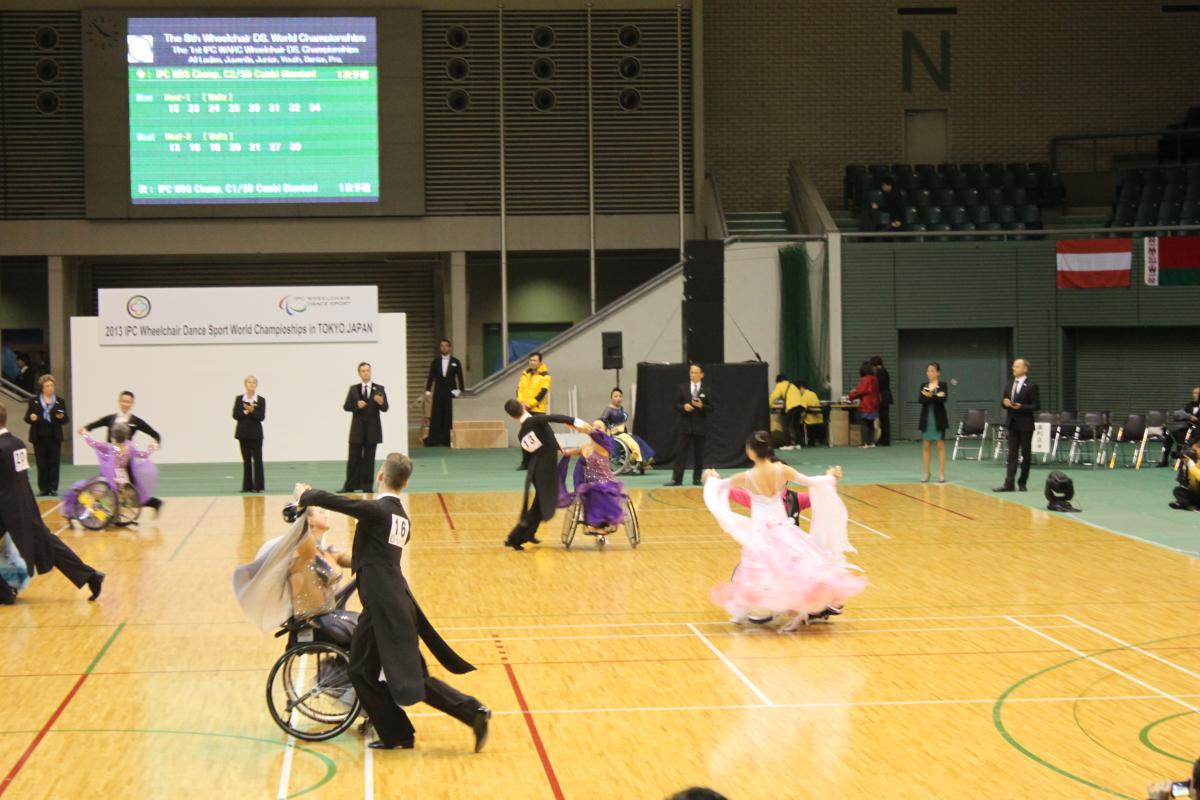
(794, 476)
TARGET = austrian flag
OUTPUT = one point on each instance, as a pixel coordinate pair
(1094, 263)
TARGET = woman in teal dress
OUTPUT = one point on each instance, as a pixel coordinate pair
(933, 425)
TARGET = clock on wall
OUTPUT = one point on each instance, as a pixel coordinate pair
(103, 31)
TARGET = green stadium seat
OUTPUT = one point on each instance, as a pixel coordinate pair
(933, 181)
(1155, 177)
(916, 227)
(1147, 214)
(1017, 167)
(939, 227)
(882, 220)
(909, 181)
(1168, 214)
(1031, 215)
(990, 227)
(964, 226)
(1193, 174)
(993, 167)
(1004, 214)
(879, 170)
(1174, 192)
(949, 169)
(873, 196)
(993, 196)
(955, 214)
(979, 214)
(911, 215)
(931, 215)
(1175, 175)
(1124, 215)
(1016, 196)
(1002, 180)
(921, 197)
(1152, 193)
(902, 169)
(945, 197)
(1190, 210)
(1192, 192)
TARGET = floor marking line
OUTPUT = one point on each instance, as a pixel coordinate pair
(926, 502)
(41, 734)
(446, 511)
(841, 621)
(759, 693)
(368, 772)
(1108, 667)
(51, 509)
(285, 775)
(547, 767)
(193, 530)
(1133, 648)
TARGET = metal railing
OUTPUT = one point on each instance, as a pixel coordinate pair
(1023, 235)
(1178, 134)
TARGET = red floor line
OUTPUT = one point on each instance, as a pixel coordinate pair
(12, 773)
(555, 789)
(446, 512)
(926, 502)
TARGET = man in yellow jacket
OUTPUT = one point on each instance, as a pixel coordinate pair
(533, 392)
(1187, 494)
(801, 408)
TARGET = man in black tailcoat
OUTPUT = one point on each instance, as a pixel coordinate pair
(391, 622)
(365, 401)
(442, 385)
(694, 402)
(21, 519)
(537, 441)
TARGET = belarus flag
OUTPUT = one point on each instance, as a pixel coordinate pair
(1173, 261)
(1094, 263)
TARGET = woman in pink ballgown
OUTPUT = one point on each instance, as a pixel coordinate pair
(783, 568)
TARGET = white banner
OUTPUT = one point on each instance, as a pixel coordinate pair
(239, 315)
(1151, 260)
(1041, 437)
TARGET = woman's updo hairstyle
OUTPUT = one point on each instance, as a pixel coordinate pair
(759, 443)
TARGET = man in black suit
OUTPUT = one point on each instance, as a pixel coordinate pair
(386, 639)
(25, 377)
(538, 442)
(1022, 400)
(694, 402)
(124, 415)
(365, 401)
(21, 519)
(444, 382)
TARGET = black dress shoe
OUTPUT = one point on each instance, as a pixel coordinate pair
(672, 483)
(514, 544)
(1177, 506)
(1004, 488)
(380, 744)
(535, 540)
(95, 583)
(697, 483)
(1022, 488)
(480, 725)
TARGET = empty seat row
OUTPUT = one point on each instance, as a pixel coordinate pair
(1016, 183)
(1157, 196)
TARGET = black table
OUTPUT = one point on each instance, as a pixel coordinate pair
(739, 409)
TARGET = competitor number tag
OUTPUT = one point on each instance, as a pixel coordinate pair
(20, 460)
(399, 535)
(530, 442)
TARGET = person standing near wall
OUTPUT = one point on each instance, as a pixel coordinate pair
(25, 377)
(933, 422)
(693, 402)
(1022, 400)
(365, 401)
(47, 413)
(885, 401)
(443, 384)
(533, 392)
(867, 395)
(250, 409)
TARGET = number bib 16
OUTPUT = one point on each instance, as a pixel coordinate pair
(400, 530)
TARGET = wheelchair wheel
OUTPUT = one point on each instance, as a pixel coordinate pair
(129, 507)
(619, 458)
(571, 518)
(632, 528)
(309, 693)
(98, 505)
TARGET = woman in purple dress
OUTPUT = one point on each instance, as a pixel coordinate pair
(121, 463)
(595, 485)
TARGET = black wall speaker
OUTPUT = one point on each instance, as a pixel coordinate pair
(613, 354)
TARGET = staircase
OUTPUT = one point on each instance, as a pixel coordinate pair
(757, 223)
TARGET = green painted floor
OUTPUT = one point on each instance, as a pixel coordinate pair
(1125, 501)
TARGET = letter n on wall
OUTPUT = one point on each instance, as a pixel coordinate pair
(910, 44)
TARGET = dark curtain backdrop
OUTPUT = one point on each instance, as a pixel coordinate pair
(739, 409)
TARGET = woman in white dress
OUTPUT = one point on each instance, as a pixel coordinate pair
(783, 568)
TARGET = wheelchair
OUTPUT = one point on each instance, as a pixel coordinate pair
(309, 694)
(573, 521)
(621, 458)
(100, 505)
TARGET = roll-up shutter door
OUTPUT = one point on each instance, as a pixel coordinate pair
(1133, 370)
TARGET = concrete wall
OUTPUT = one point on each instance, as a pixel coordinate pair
(652, 331)
(822, 81)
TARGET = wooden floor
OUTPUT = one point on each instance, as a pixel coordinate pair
(999, 653)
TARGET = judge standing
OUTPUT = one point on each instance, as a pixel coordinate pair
(250, 409)
(444, 383)
(20, 517)
(541, 449)
(385, 642)
(365, 401)
(47, 413)
(693, 402)
(1022, 400)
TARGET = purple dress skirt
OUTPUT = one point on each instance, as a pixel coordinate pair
(602, 495)
(141, 469)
